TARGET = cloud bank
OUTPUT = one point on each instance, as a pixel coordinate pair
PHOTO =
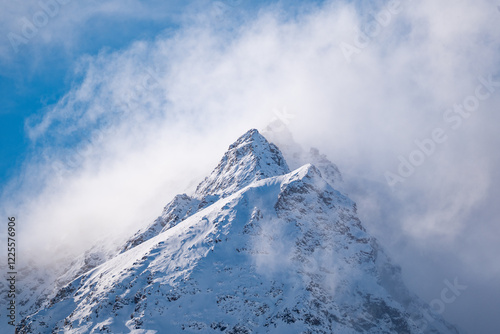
(369, 88)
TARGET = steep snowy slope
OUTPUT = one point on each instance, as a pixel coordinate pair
(249, 159)
(257, 249)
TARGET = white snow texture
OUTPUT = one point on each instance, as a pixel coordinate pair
(258, 248)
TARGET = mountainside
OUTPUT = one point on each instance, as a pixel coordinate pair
(257, 248)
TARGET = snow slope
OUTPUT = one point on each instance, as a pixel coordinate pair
(256, 249)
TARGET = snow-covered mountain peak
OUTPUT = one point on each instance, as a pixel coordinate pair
(251, 137)
(278, 133)
(308, 171)
(257, 249)
(250, 158)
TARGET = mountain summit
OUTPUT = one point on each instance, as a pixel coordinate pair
(249, 159)
(256, 249)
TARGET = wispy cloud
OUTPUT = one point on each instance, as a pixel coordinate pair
(29, 26)
(154, 118)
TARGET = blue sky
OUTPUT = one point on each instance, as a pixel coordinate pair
(35, 74)
(113, 107)
(40, 72)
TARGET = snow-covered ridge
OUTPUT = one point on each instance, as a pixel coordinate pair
(250, 158)
(278, 133)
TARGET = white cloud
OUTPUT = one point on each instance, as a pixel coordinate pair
(167, 109)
